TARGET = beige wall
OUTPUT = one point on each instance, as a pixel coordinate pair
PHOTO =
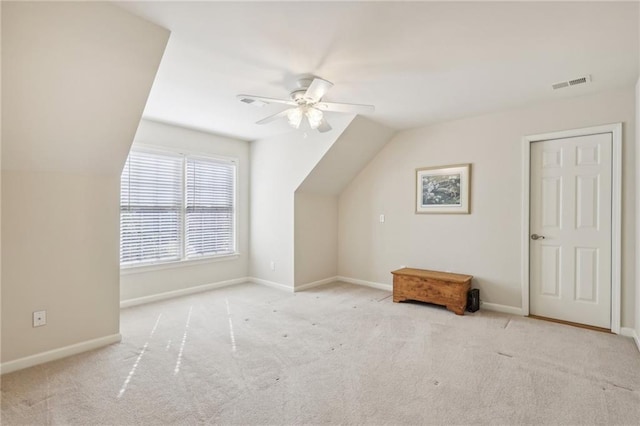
(141, 282)
(59, 255)
(487, 242)
(316, 237)
(316, 199)
(69, 115)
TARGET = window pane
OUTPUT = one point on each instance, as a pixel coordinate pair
(150, 208)
(210, 207)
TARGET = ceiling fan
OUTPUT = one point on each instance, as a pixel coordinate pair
(306, 101)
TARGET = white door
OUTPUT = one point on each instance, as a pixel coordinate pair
(570, 229)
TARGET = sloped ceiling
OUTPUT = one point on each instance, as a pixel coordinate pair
(417, 62)
(75, 80)
(353, 150)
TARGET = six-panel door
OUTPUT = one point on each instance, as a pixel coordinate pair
(570, 226)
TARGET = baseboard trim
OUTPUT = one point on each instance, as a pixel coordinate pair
(379, 286)
(389, 287)
(182, 292)
(55, 354)
(315, 284)
(505, 309)
(630, 332)
(271, 284)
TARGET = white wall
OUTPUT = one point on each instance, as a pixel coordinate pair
(487, 242)
(278, 166)
(75, 80)
(141, 282)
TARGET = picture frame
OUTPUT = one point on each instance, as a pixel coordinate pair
(443, 189)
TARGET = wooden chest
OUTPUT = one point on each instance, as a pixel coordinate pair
(441, 288)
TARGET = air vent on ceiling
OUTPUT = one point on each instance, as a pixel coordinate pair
(254, 102)
(573, 82)
(580, 80)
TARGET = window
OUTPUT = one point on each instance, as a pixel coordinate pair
(209, 207)
(175, 207)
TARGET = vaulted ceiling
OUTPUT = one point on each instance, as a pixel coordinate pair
(418, 63)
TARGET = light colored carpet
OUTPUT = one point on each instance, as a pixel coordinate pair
(340, 353)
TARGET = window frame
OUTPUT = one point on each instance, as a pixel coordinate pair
(145, 266)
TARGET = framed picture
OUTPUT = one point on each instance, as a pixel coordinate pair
(443, 189)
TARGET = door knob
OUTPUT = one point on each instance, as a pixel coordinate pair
(537, 237)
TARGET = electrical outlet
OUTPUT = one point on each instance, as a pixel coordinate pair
(39, 318)
(381, 218)
(273, 265)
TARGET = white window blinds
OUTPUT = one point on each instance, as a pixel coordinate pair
(150, 208)
(209, 207)
(175, 207)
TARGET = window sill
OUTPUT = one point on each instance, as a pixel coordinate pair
(152, 267)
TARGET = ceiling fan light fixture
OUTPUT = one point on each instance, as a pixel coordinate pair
(315, 117)
(306, 101)
(295, 117)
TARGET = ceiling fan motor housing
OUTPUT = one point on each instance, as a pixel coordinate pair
(304, 83)
(298, 96)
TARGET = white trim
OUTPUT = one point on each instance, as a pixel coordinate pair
(505, 309)
(55, 354)
(315, 284)
(152, 267)
(616, 213)
(271, 284)
(630, 332)
(379, 286)
(524, 251)
(389, 287)
(616, 229)
(162, 149)
(184, 156)
(182, 292)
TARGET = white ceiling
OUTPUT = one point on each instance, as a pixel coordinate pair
(418, 63)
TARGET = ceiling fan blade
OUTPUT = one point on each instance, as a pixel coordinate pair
(351, 108)
(257, 100)
(274, 117)
(324, 126)
(317, 89)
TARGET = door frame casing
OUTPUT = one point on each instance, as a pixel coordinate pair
(616, 210)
